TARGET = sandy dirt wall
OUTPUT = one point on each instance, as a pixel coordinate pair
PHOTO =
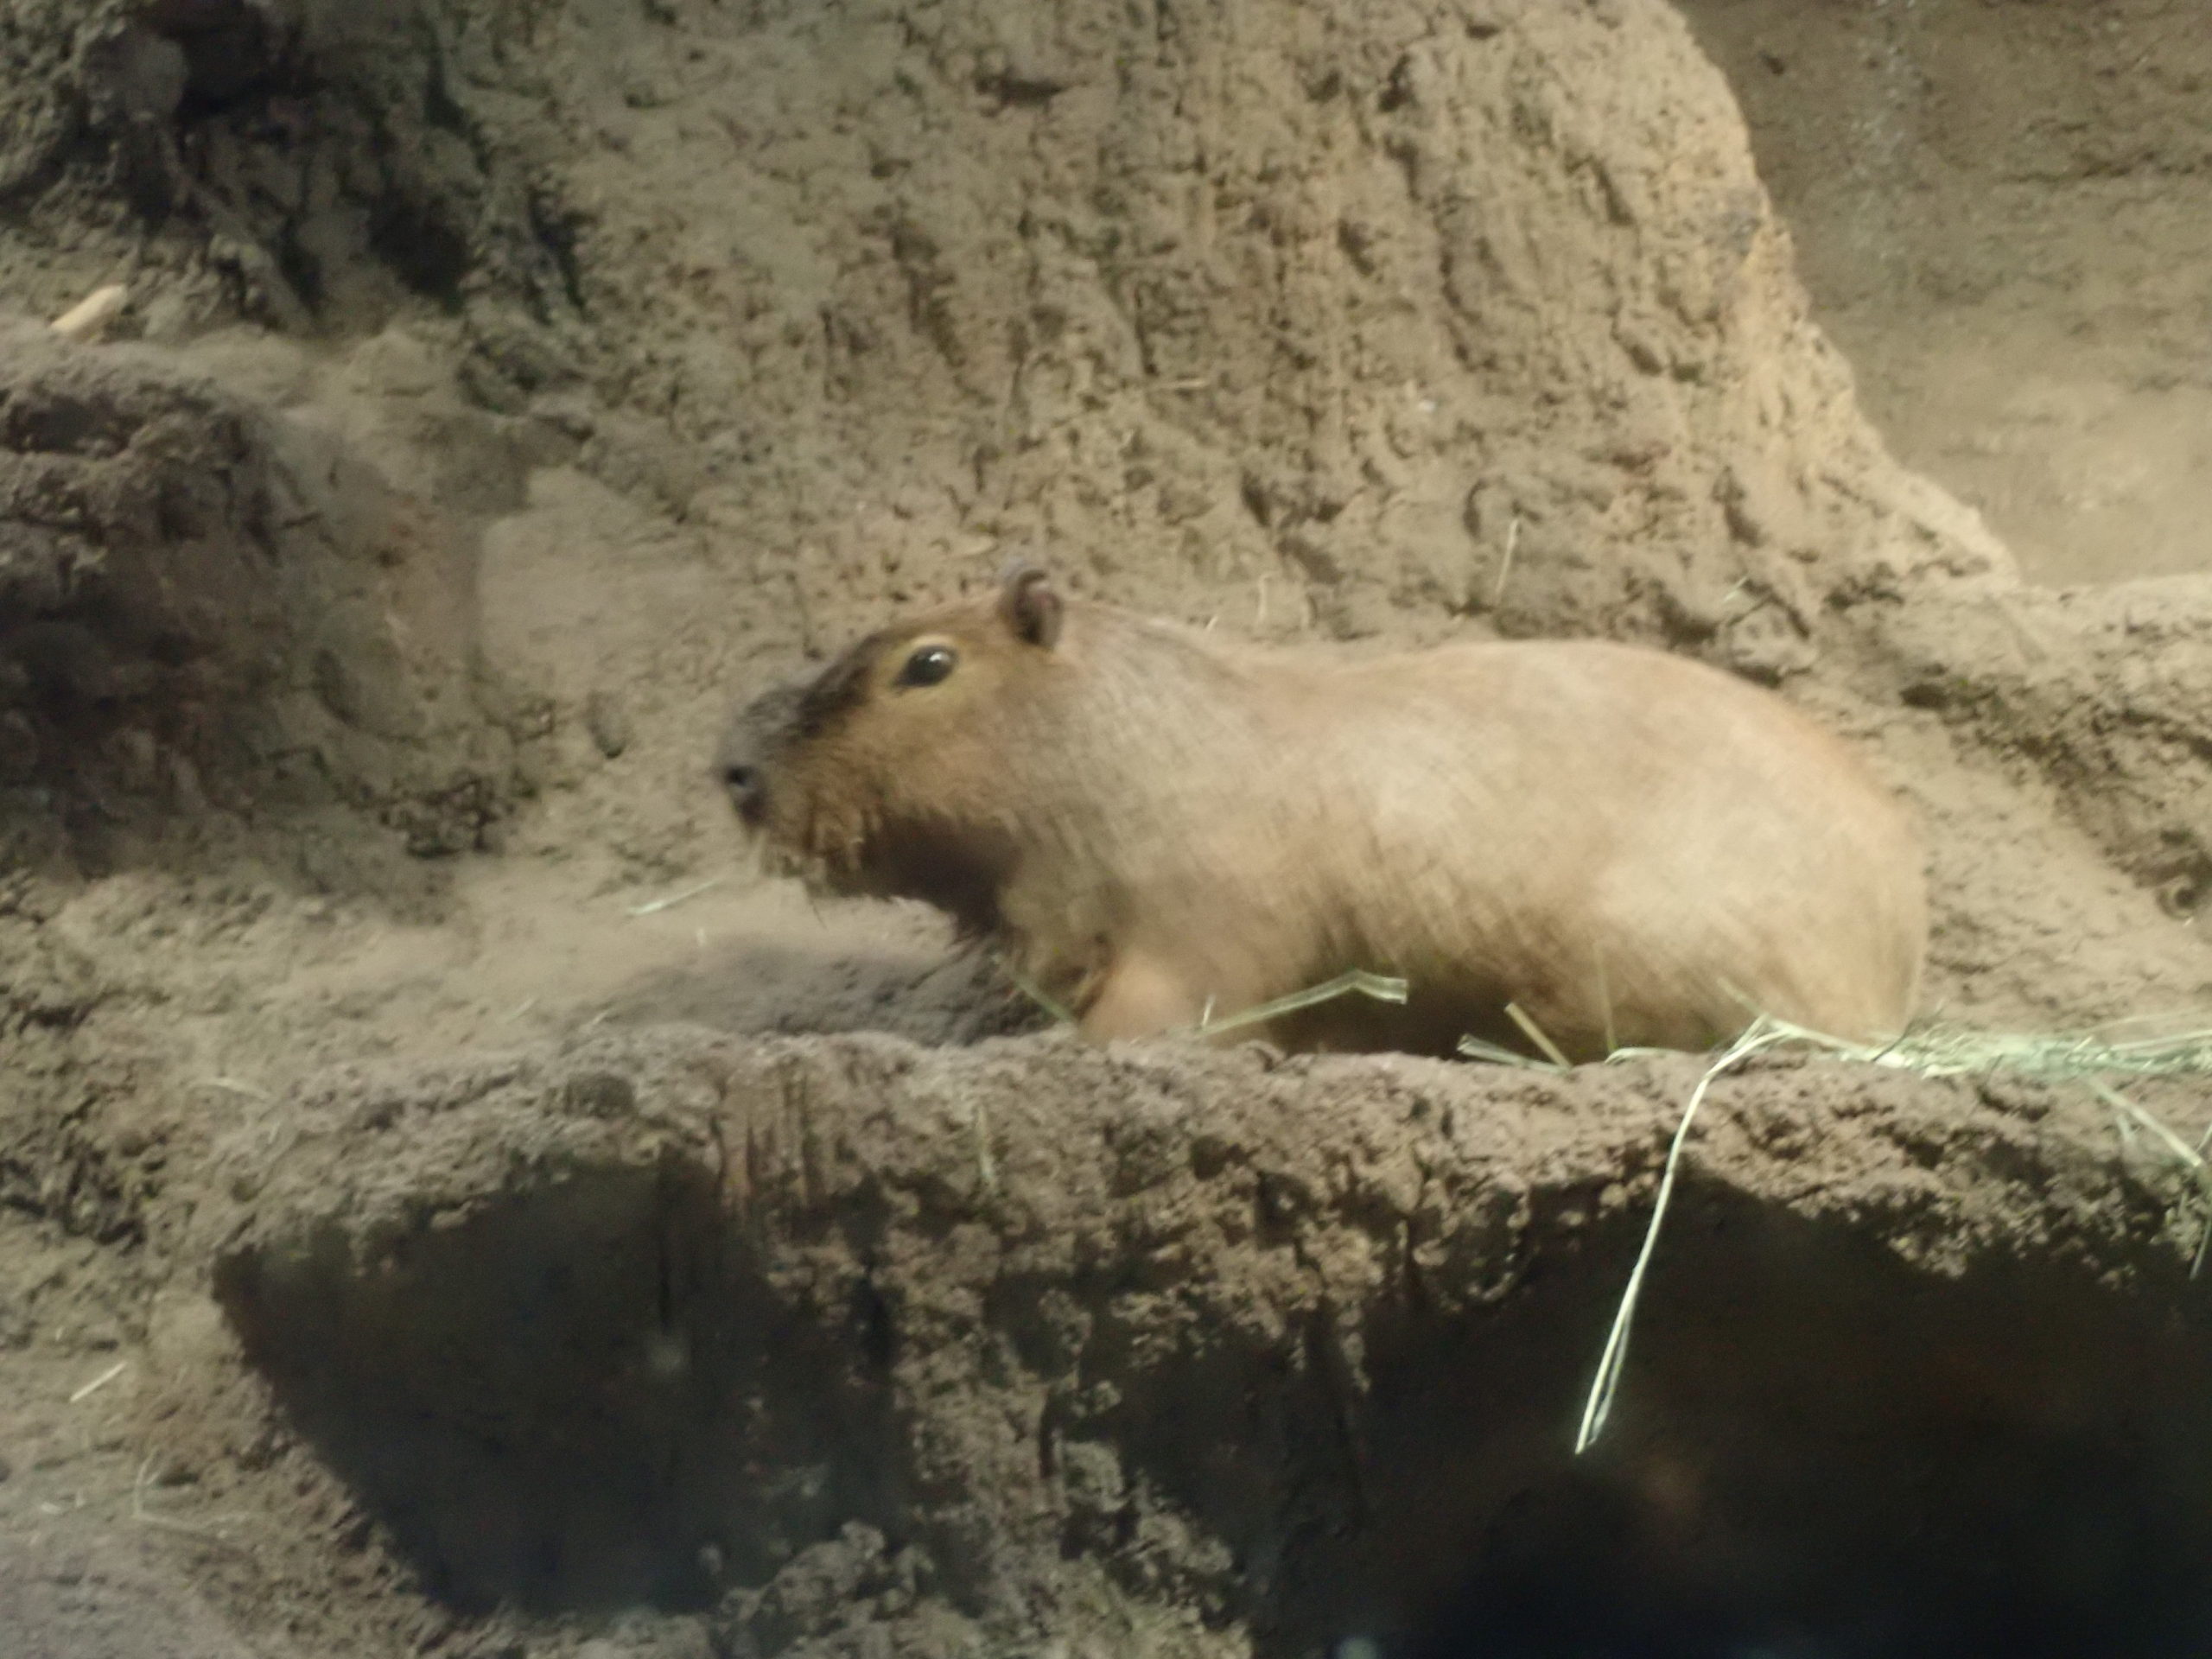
(1156, 1352)
(2003, 214)
(639, 350)
(206, 608)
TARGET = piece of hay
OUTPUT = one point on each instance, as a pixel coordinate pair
(1614, 1359)
(1356, 982)
(89, 318)
(1934, 1049)
(1535, 1032)
(654, 906)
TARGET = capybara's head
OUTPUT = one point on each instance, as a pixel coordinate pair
(887, 772)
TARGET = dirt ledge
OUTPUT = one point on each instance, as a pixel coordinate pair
(846, 1345)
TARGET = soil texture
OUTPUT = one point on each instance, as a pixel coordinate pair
(2003, 214)
(451, 1203)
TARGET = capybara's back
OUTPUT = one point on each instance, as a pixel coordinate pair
(1161, 827)
(1633, 848)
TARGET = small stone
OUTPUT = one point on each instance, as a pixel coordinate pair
(600, 1094)
(170, 319)
(608, 723)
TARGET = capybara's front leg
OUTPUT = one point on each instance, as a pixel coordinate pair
(1140, 996)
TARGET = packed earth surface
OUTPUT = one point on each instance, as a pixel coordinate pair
(452, 1202)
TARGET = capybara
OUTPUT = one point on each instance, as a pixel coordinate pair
(1158, 825)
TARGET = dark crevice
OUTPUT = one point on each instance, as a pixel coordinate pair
(587, 1398)
(426, 253)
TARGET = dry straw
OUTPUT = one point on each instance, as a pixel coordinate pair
(1935, 1050)
(1357, 982)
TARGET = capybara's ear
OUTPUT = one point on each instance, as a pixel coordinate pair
(1029, 604)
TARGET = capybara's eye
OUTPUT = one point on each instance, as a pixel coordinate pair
(928, 666)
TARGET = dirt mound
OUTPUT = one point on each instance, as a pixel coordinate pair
(204, 606)
(503, 390)
(852, 1347)
(2000, 209)
(1399, 322)
(2104, 692)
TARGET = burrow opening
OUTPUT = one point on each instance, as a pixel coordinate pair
(600, 1391)
(1818, 1449)
(585, 1397)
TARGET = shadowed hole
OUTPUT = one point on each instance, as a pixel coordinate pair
(582, 1396)
(1817, 1450)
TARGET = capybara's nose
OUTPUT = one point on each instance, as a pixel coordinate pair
(743, 783)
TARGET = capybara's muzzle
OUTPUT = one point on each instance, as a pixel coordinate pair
(758, 734)
(739, 769)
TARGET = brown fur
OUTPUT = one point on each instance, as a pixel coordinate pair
(1151, 822)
